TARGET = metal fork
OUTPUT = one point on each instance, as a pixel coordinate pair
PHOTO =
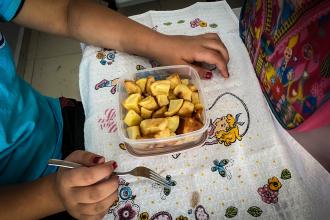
(138, 171)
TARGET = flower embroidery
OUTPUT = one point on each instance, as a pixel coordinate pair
(161, 216)
(181, 218)
(198, 22)
(126, 211)
(203, 24)
(201, 214)
(267, 195)
(106, 56)
(274, 184)
(144, 216)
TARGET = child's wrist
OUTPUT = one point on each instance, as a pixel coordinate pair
(155, 45)
(55, 195)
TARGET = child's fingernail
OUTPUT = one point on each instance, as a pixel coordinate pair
(114, 165)
(97, 159)
(208, 75)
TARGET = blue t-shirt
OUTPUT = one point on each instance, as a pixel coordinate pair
(30, 123)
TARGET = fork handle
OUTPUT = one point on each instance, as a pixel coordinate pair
(71, 165)
(120, 173)
(63, 163)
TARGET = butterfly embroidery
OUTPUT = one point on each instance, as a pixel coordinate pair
(165, 190)
(221, 167)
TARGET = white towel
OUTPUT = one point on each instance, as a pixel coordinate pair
(213, 181)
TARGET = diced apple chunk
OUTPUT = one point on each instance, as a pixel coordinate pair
(142, 84)
(174, 107)
(160, 87)
(131, 102)
(149, 103)
(162, 100)
(132, 118)
(133, 132)
(183, 92)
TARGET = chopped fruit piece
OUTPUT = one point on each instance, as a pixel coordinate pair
(160, 87)
(174, 79)
(142, 84)
(192, 88)
(173, 123)
(149, 103)
(174, 107)
(150, 80)
(162, 100)
(131, 87)
(132, 118)
(163, 134)
(183, 92)
(188, 125)
(186, 110)
(145, 113)
(195, 98)
(160, 112)
(131, 102)
(133, 132)
(152, 126)
(185, 81)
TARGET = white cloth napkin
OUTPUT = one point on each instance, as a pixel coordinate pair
(236, 184)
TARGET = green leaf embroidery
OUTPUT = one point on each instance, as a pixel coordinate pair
(231, 212)
(213, 25)
(167, 23)
(286, 174)
(254, 211)
(181, 21)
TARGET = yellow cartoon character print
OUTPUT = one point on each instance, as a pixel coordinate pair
(232, 133)
(226, 129)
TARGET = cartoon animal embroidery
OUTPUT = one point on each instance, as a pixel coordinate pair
(108, 83)
(221, 167)
(225, 130)
(231, 133)
(165, 190)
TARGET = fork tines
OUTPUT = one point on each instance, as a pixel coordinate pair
(159, 179)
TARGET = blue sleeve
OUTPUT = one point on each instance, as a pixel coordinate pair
(9, 9)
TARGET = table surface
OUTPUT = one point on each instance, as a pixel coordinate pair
(264, 174)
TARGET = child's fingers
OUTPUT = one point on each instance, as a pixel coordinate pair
(85, 176)
(99, 208)
(85, 158)
(97, 192)
(202, 72)
(218, 46)
(212, 57)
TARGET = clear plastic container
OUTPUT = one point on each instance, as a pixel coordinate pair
(150, 147)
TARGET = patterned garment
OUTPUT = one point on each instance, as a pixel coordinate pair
(288, 42)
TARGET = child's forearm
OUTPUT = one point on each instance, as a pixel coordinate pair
(32, 200)
(100, 26)
(89, 22)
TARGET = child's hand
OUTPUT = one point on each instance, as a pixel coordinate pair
(207, 48)
(87, 192)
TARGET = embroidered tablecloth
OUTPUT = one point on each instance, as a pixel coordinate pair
(262, 173)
